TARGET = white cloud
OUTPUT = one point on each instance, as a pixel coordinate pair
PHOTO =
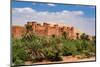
(92, 7)
(75, 18)
(25, 9)
(34, 3)
(51, 4)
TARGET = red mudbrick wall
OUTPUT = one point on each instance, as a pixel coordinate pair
(44, 29)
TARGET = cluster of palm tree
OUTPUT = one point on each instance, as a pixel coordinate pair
(32, 47)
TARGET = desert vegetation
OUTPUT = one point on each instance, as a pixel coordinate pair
(34, 48)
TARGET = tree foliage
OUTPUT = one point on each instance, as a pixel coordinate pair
(36, 48)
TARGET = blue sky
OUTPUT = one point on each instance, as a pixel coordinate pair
(88, 10)
(79, 16)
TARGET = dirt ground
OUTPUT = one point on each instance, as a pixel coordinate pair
(65, 59)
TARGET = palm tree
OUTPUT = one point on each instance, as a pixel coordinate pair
(87, 37)
(77, 34)
(29, 33)
(84, 36)
(64, 34)
(94, 38)
(29, 28)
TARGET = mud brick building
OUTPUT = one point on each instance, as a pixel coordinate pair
(17, 31)
(46, 29)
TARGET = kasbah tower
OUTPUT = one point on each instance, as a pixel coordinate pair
(46, 29)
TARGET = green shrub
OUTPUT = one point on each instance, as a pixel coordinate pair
(19, 54)
(38, 48)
